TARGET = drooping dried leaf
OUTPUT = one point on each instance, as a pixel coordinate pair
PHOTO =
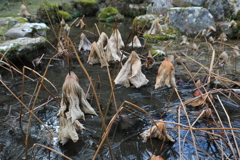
(149, 61)
(67, 130)
(62, 22)
(166, 75)
(84, 44)
(73, 107)
(223, 58)
(131, 72)
(66, 28)
(96, 55)
(194, 47)
(211, 28)
(211, 39)
(184, 40)
(159, 131)
(204, 32)
(232, 24)
(155, 28)
(81, 24)
(24, 11)
(114, 44)
(135, 43)
(156, 158)
(207, 113)
(194, 102)
(102, 40)
(62, 44)
(223, 37)
(235, 52)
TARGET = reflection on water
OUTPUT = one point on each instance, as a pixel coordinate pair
(124, 137)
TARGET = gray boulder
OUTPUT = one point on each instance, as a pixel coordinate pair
(26, 30)
(159, 7)
(220, 9)
(190, 20)
(187, 3)
(22, 47)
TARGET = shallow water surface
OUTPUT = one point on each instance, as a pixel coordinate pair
(125, 140)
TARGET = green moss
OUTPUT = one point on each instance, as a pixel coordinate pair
(67, 6)
(21, 19)
(107, 12)
(65, 15)
(88, 3)
(152, 37)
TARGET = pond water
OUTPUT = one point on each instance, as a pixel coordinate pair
(124, 137)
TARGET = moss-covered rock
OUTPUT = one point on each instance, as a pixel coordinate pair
(65, 15)
(110, 14)
(144, 22)
(22, 48)
(48, 10)
(88, 8)
(168, 32)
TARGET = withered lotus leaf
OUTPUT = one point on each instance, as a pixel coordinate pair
(81, 24)
(24, 11)
(114, 44)
(149, 61)
(223, 58)
(235, 52)
(166, 75)
(232, 24)
(84, 44)
(155, 28)
(96, 55)
(135, 43)
(223, 37)
(131, 72)
(156, 158)
(184, 40)
(102, 40)
(62, 22)
(74, 106)
(66, 28)
(159, 131)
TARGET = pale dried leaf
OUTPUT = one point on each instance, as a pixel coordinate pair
(223, 58)
(81, 24)
(159, 131)
(211, 39)
(236, 52)
(24, 11)
(184, 40)
(62, 22)
(155, 28)
(156, 158)
(166, 75)
(194, 47)
(73, 99)
(223, 37)
(102, 40)
(135, 43)
(131, 72)
(211, 28)
(96, 56)
(84, 44)
(114, 44)
(232, 24)
(66, 28)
